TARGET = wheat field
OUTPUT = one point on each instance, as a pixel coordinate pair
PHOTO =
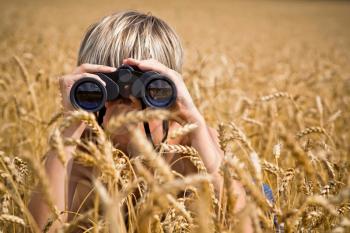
(273, 77)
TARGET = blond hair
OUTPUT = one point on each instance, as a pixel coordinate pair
(131, 34)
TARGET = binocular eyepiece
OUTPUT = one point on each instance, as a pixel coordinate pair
(153, 89)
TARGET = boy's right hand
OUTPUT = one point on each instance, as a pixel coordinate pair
(85, 70)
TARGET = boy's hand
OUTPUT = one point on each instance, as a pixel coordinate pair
(184, 104)
(85, 70)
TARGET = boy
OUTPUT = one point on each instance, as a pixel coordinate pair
(147, 42)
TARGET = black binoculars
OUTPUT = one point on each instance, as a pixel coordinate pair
(151, 88)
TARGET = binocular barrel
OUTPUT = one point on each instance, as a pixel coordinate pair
(153, 89)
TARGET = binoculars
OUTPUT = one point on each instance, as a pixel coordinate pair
(151, 88)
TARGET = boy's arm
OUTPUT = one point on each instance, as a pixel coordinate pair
(205, 140)
(56, 173)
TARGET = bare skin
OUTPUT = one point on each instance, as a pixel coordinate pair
(203, 139)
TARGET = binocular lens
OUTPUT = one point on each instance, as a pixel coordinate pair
(88, 95)
(160, 93)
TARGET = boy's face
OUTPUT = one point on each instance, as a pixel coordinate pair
(119, 106)
(122, 106)
(115, 108)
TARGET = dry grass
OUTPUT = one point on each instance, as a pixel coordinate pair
(274, 81)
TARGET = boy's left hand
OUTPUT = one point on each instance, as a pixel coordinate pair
(184, 104)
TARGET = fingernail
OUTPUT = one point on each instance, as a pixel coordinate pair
(113, 69)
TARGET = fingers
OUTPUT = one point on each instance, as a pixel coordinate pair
(93, 68)
(131, 61)
(88, 75)
(68, 80)
(150, 64)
